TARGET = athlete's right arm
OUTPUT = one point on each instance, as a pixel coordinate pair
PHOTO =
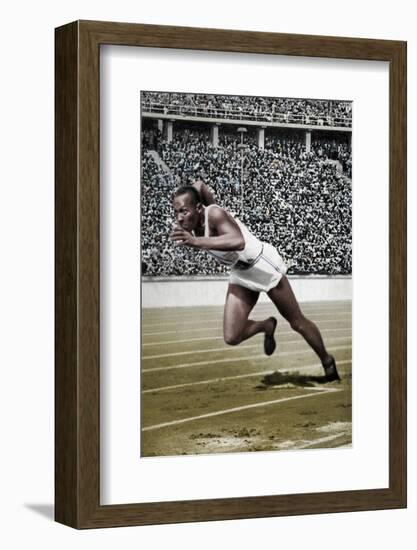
(228, 235)
(206, 195)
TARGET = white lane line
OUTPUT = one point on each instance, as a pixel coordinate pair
(237, 409)
(162, 323)
(258, 309)
(227, 378)
(207, 329)
(245, 358)
(280, 332)
(227, 349)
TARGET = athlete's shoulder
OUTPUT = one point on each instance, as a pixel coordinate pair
(216, 213)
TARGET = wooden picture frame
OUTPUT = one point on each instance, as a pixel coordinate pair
(77, 382)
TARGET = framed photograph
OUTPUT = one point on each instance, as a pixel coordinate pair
(230, 274)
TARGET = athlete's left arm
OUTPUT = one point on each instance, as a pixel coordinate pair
(206, 194)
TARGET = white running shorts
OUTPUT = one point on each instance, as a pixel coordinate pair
(264, 275)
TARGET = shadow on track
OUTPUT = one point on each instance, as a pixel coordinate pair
(291, 378)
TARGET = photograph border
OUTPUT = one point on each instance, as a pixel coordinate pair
(77, 273)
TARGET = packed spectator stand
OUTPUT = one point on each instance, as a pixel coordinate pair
(316, 112)
(297, 200)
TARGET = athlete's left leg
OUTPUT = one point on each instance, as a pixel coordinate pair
(237, 326)
(284, 299)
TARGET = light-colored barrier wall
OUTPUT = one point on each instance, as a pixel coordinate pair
(198, 291)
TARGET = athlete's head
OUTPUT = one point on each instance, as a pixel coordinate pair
(187, 206)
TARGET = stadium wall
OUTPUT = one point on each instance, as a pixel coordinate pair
(203, 291)
(245, 122)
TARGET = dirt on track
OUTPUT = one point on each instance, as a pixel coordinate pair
(200, 396)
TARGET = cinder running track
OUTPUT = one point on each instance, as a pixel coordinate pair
(199, 395)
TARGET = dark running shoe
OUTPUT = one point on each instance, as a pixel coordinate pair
(330, 371)
(269, 340)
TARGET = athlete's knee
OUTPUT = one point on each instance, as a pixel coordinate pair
(298, 323)
(232, 339)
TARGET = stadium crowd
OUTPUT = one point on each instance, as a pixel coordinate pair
(331, 149)
(288, 110)
(299, 202)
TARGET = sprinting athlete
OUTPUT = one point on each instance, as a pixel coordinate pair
(255, 267)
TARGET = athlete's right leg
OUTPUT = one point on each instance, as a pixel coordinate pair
(237, 327)
(284, 299)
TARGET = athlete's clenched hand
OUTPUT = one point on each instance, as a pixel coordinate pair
(182, 237)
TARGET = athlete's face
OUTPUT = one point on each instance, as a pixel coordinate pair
(187, 214)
